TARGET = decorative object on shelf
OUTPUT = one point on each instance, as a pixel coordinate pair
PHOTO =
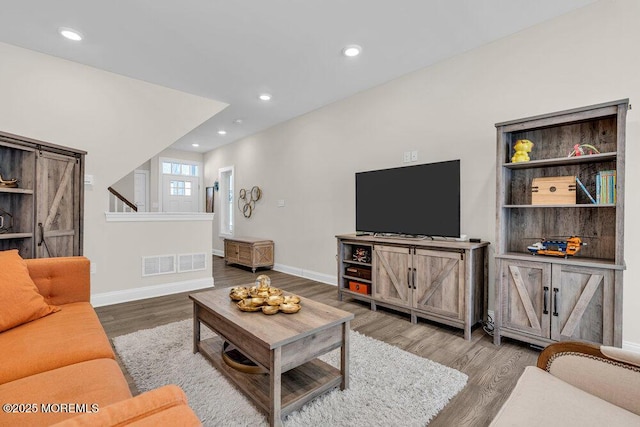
(248, 199)
(361, 288)
(558, 248)
(523, 147)
(6, 221)
(553, 190)
(8, 183)
(263, 297)
(234, 358)
(585, 191)
(582, 150)
(216, 186)
(606, 184)
(362, 255)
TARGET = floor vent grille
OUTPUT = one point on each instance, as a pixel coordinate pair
(192, 262)
(162, 264)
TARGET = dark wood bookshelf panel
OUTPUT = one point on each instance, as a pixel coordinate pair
(18, 163)
(20, 207)
(558, 141)
(518, 187)
(596, 227)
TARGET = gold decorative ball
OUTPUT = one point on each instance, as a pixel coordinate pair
(263, 281)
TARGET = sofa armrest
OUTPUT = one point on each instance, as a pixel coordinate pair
(587, 367)
(164, 406)
(61, 280)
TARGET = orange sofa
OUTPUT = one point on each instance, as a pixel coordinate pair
(61, 368)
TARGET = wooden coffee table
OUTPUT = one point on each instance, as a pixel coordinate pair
(286, 346)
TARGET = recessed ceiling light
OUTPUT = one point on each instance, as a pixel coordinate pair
(265, 96)
(195, 145)
(237, 122)
(351, 50)
(222, 132)
(70, 34)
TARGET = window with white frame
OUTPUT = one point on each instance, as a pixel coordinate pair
(180, 188)
(175, 168)
(226, 200)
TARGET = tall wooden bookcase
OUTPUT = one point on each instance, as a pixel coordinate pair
(43, 215)
(542, 299)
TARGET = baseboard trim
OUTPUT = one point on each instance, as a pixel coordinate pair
(127, 295)
(631, 346)
(307, 274)
(295, 271)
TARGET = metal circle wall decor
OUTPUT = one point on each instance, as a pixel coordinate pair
(247, 200)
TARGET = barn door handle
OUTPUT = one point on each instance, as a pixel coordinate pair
(545, 299)
(555, 301)
(414, 278)
(409, 278)
(41, 229)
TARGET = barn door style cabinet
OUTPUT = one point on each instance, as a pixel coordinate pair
(42, 214)
(542, 299)
(442, 281)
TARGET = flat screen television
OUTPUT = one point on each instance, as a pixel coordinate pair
(420, 200)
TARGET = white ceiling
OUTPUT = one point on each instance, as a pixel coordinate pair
(232, 50)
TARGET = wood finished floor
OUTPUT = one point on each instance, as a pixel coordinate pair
(493, 371)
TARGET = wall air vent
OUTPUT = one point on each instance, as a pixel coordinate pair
(161, 264)
(192, 262)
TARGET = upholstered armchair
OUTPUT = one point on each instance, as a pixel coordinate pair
(576, 384)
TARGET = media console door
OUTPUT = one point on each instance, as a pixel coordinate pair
(392, 274)
(439, 282)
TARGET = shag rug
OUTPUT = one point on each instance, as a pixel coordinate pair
(388, 386)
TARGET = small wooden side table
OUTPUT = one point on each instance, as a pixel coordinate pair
(249, 251)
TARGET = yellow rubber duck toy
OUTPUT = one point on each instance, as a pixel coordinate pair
(522, 147)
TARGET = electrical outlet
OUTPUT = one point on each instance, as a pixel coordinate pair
(414, 156)
(407, 157)
(280, 203)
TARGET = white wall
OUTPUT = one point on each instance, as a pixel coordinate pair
(120, 122)
(447, 111)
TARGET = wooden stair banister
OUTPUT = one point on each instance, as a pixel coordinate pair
(123, 199)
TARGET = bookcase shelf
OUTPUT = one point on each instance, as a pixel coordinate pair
(16, 190)
(574, 206)
(590, 158)
(587, 287)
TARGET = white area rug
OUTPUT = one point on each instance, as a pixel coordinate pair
(388, 386)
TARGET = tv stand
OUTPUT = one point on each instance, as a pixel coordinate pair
(443, 281)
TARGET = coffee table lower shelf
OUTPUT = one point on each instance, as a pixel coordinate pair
(299, 385)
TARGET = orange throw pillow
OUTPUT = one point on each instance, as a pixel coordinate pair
(19, 297)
